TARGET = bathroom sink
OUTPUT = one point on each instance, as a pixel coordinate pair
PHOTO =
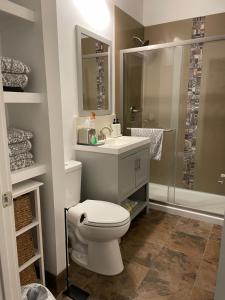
(116, 145)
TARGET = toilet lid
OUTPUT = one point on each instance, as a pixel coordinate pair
(102, 213)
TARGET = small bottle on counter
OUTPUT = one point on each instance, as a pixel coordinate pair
(118, 125)
(114, 129)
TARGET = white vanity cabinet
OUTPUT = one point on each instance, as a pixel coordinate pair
(133, 171)
(115, 177)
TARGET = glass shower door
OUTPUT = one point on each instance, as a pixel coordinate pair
(148, 102)
(201, 186)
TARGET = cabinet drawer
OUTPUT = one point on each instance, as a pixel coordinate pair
(142, 165)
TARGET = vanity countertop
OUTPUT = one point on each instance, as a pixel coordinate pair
(116, 145)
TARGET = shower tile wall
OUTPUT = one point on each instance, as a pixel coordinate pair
(193, 102)
(125, 28)
(211, 118)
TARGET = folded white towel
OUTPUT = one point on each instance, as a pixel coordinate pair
(156, 137)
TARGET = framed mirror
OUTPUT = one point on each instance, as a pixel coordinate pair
(94, 64)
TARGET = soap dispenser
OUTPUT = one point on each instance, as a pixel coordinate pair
(114, 129)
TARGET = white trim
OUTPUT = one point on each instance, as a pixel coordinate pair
(30, 261)
(32, 225)
(14, 97)
(207, 39)
(8, 248)
(25, 187)
(16, 10)
(186, 213)
(209, 203)
(28, 173)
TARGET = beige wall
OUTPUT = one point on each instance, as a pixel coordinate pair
(210, 155)
(125, 28)
(168, 32)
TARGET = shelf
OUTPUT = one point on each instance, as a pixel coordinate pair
(27, 228)
(25, 187)
(138, 208)
(10, 10)
(16, 97)
(30, 262)
(27, 173)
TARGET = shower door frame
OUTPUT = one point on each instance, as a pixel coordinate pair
(137, 50)
(156, 47)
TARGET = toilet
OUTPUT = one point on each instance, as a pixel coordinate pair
(94, 227)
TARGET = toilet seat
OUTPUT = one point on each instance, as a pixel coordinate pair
(105, 214)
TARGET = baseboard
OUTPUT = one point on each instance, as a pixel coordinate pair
(55, 283)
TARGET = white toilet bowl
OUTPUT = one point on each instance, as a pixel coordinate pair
(95, 242)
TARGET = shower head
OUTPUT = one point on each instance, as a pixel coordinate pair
(142, 42)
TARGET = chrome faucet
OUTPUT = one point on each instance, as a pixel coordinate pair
(101, 135)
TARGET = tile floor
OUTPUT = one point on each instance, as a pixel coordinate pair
(166, 257)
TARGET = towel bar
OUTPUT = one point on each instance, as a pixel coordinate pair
(166, 130)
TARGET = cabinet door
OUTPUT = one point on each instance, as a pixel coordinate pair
(126, 175)
(142, 167)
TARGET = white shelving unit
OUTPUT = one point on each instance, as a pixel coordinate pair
(27, 228)
(11, 10)
(23, 98)
(21, 189)
(28, 173)
(30, 35)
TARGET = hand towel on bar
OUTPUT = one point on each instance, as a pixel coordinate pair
(18, 148)
(16, 135)
(156, 137)
(10, 65)
(14, 80)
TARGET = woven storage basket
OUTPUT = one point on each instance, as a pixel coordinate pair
(22, 211)
(28, 275)
(25, 247)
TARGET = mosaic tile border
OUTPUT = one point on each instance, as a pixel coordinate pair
(100, 77)
(193, 101)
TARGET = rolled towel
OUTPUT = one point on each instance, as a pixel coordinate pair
(20, 164)
(26, 155)
(156, 137)
(76, 215)
(18, 148)
(16, 135)
(14, 80)
(10, 65)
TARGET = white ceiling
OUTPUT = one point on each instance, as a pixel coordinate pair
(151, 12)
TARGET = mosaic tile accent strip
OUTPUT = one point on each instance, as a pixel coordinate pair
(193, 101)
(100, 77)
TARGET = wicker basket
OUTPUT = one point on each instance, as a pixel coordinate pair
(25, 247)
(28, 276)
(22, 211)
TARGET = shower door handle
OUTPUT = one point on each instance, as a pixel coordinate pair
(134, 110)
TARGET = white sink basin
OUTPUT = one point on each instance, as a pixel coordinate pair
(116, 145)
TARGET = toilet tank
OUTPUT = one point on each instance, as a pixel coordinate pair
(72, 182)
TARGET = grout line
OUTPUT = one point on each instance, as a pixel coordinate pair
(198, 271)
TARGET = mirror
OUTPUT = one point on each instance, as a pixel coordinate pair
(94, 62)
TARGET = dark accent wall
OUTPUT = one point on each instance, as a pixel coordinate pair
(182, 30)
(125, 28)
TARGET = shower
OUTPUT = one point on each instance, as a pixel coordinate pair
(181, 86)
(141, 42)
